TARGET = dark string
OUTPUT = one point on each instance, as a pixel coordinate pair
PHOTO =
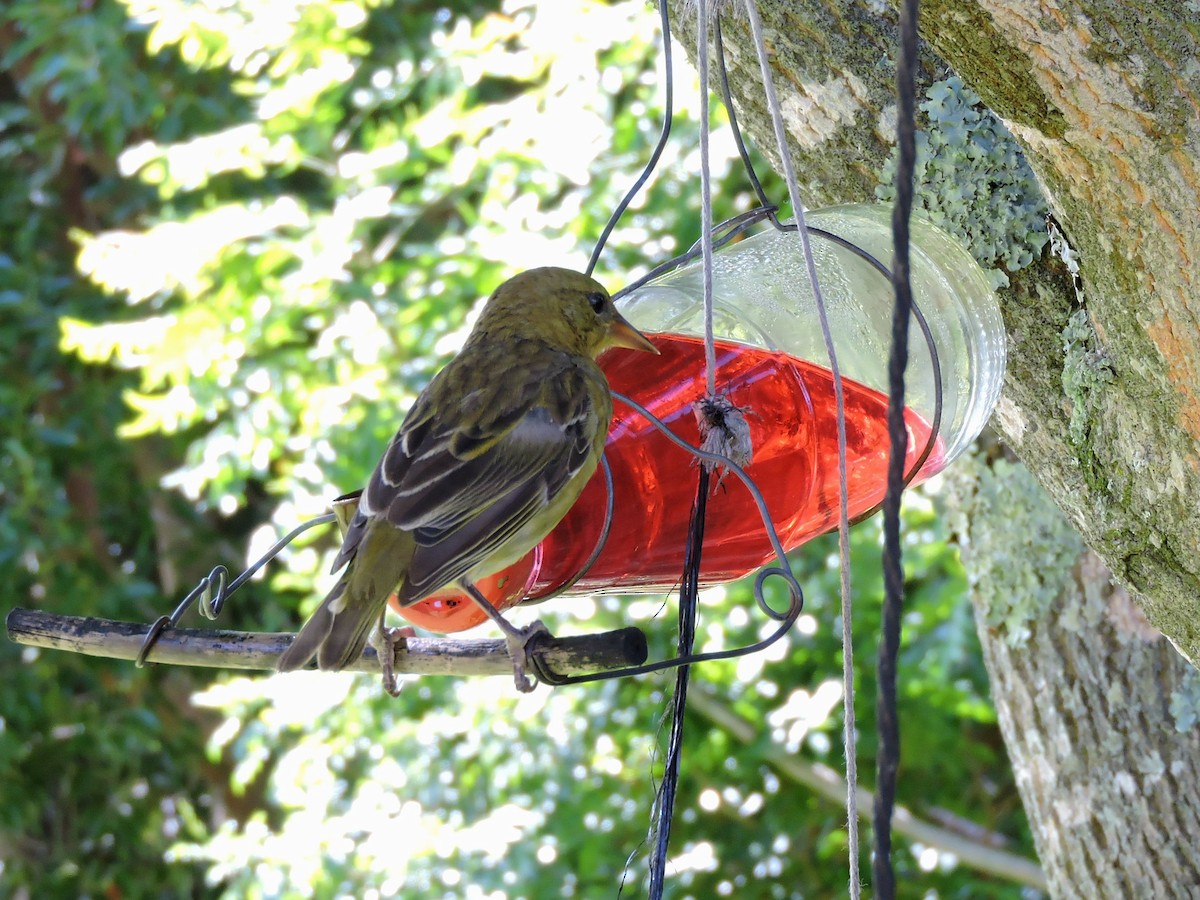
(601, 541)
(886, 717)
(689, 587)
(736, 225)
(688, 601)
(668, 113)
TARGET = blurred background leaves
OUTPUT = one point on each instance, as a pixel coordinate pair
(237, 238)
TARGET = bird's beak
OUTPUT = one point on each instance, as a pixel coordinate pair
(622, 334)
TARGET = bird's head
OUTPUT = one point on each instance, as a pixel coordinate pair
(564, 308)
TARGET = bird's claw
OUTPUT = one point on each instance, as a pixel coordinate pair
(518, 641)
(385, 640)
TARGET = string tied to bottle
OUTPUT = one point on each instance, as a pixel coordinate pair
(724, 431)
(715, 436)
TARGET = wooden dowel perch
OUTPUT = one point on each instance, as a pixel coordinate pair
(217, 648)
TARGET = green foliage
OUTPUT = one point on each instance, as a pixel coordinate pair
(97, 759)
(228, 265)
(972, 180)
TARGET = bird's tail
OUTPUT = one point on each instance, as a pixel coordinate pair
(338, 631)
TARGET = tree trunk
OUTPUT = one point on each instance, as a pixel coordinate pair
(1083, 689)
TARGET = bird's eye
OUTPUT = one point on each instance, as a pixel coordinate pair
(597, 300)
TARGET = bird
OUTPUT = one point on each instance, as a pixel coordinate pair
(490, 457)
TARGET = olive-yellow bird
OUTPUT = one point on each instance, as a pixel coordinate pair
(490, 457)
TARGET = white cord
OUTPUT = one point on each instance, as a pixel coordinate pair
(843, 510)
(706, 242)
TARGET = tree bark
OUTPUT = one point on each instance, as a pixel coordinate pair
(1083, 692)
(1103, 97)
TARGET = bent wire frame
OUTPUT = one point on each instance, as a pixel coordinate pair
(212, 592)
(214, 588)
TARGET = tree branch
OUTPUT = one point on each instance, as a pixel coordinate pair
(826, 783)
(216, 648)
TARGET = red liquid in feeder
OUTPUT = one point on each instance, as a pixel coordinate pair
(791, 412)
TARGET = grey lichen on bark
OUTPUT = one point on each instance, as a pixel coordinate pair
(1083, 690)
(1102, 96)
(1022, 555)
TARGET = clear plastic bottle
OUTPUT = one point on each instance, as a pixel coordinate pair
(771, 359)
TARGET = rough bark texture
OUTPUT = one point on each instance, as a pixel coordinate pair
(1104, 97)
(1082, 687)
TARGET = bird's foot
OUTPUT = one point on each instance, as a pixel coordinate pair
(385, 640)
(518, 641)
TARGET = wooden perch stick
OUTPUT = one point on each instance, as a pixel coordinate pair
(217, 648)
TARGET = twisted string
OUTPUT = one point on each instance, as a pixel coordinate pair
(689, 590)
(688, 601)
(886, 717)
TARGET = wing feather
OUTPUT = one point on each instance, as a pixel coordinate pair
(466, 481)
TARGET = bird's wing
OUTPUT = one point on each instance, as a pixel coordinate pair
(493, 497)
(466, 480)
